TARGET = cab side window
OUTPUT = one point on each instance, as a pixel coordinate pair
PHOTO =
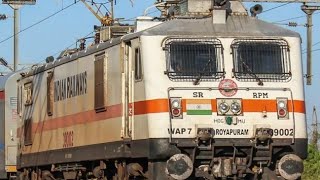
(137, 65)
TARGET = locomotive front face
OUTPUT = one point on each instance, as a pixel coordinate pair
(236, 105)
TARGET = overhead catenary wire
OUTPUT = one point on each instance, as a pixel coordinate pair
(42, 20)
(311, 51)
(305, 50)
(276, 7)
(133, 18)
(316, 43)
(66, 47)
(297, 17)
(130, 19)
(72, 44)
(293, 18)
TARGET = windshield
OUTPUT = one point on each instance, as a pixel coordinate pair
(186, 60)
(267, 59)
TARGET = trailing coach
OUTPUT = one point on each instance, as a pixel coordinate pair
(8, 125)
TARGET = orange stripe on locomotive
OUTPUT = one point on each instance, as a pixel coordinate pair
(151, 106)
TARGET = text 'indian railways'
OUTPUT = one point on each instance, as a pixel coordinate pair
(70, 87)
(221, 132)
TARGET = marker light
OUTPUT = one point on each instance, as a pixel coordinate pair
(235, 107)
(282, 112)
(176, 108)
(176, 112)
(282, 108)
(224, 107)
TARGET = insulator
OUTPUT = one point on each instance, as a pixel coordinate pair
(3, 17)
(292, 24)
(82, 44)
(97, 38)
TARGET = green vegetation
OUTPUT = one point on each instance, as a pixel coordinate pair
(312, 164)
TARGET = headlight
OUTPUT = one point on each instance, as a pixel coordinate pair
(224, 107)
(281, 104)
(175, 104)
(235, 107)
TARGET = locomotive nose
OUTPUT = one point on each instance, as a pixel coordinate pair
(290, 166)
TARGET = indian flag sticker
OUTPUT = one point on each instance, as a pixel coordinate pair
(199, 107)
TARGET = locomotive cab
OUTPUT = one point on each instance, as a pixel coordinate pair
(235, 97)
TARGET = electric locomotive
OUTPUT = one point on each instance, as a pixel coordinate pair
(205, 93)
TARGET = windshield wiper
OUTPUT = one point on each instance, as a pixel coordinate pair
(197, 80)
(260, 83)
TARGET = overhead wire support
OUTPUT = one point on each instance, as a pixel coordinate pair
(309, 10)
(16, 30)
(276, 7)
(291, 24)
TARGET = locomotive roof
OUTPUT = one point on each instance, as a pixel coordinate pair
(234, 26)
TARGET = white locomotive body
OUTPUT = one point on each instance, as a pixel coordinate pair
(185, 98)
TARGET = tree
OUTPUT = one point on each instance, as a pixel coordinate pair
(312, 164)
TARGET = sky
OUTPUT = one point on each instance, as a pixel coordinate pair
(49, 37)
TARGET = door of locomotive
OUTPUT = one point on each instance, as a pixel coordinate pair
(131, 80)
(127, 90)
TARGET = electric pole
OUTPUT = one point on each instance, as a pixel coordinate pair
(15, 5)
(315, 133)
(309, 10)
(16, 28)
